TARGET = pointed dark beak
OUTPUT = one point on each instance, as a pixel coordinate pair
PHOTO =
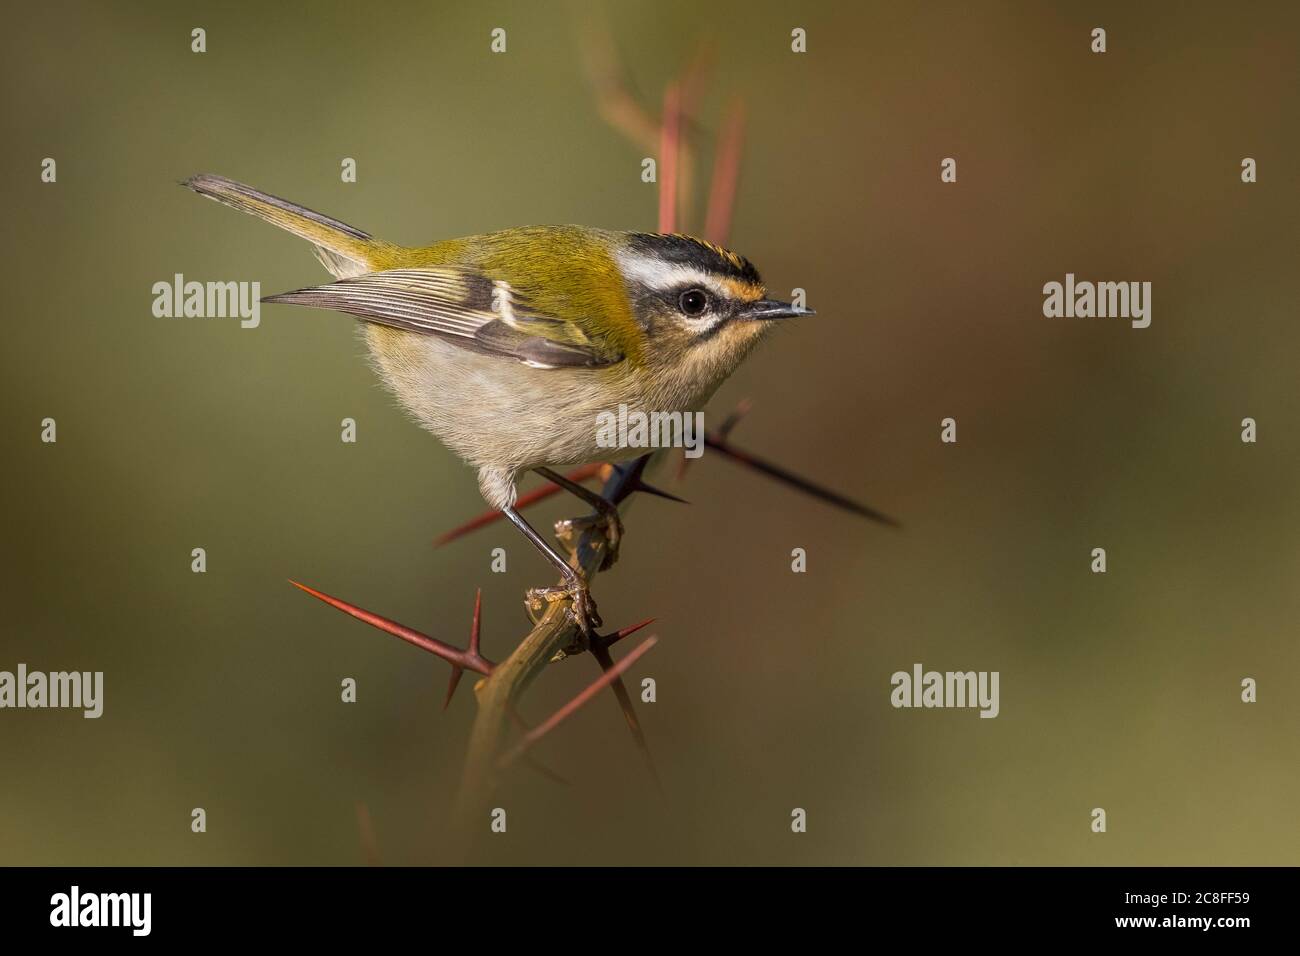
(771, 309)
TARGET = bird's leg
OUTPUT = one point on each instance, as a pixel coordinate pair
(607, 517)
(574, 588)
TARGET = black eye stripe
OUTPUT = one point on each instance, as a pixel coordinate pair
(718, 325)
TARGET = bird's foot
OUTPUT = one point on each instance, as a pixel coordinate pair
(582, 608)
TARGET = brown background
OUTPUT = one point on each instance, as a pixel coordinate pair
(222, 690)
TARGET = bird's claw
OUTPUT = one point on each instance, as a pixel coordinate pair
(586, 618)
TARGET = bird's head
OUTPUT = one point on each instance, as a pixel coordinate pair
(700, 307)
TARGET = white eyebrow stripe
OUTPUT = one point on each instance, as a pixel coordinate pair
(655, 273)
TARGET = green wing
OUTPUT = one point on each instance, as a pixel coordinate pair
(463, 306)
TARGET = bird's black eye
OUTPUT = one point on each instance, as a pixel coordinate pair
(693, 301)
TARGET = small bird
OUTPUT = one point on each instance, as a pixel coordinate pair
(508, 345)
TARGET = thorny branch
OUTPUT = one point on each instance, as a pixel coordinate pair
(501, 684)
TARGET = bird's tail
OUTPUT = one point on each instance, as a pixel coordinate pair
(344, 250)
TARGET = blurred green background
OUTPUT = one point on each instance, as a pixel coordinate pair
(222, 689)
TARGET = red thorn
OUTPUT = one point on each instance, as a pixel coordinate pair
(584, 473)
(454, 681)
(730, 422)
(473, 524)
(454, 655)
(478, 620)
(719, 443)
(694, 78)
(726, 176)
(669, 144)
(612, 639)
(529, 759)
(601, 653)
(567, 711)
